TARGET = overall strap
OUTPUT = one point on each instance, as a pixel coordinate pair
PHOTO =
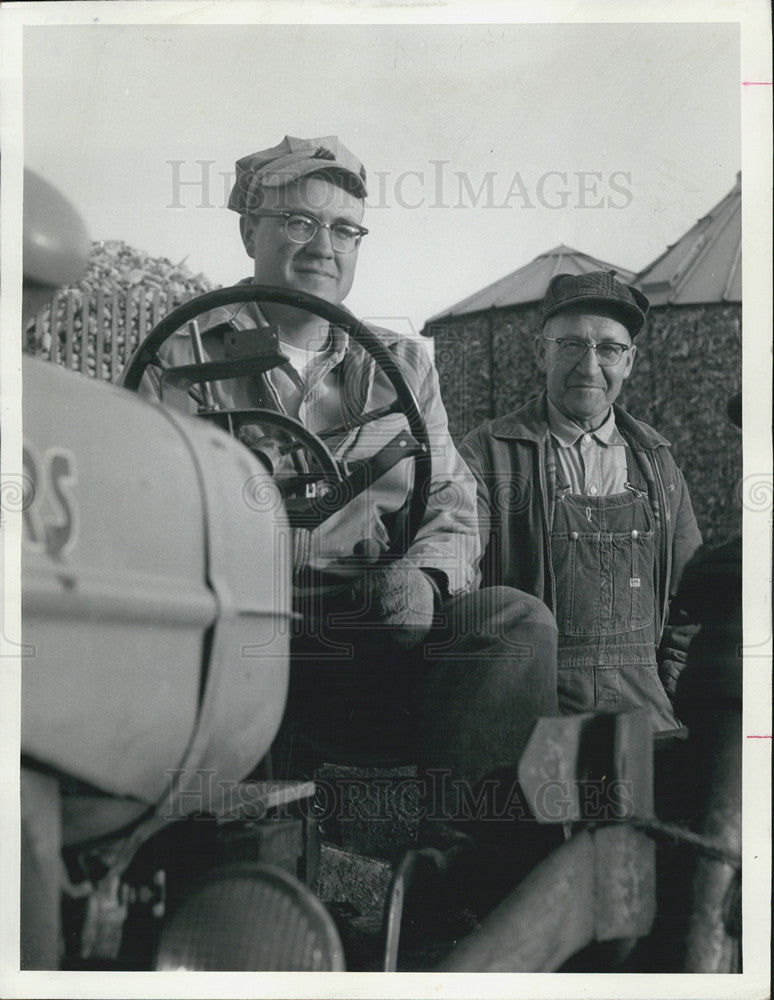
(636, 480)
(641, 475)
(553, 475)
(642, 471)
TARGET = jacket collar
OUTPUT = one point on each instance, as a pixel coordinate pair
(530, 423)
(248, 311)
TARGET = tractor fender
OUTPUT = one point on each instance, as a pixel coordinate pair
(155, 594)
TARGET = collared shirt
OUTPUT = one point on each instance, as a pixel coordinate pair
(312, 392)
(346, 379)
(302, 358)
(592, 463)
(317, 382)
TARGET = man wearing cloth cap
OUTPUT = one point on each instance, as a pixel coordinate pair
(598, 522)
(441, 671)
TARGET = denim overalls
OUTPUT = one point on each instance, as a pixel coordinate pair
(604, 552)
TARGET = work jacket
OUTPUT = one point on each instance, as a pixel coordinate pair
(512, 460)
(447, 540)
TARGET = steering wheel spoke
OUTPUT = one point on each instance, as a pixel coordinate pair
(312, 492)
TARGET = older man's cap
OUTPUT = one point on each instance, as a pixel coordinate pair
(597, 289)
(290, 160)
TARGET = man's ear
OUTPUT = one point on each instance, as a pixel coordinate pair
(540, 353)
(247, 231)
(630, 356)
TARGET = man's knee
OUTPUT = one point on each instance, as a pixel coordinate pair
(501, 611)
(525, 609)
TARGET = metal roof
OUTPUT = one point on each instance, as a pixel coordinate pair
(528, 284)
(704, 265)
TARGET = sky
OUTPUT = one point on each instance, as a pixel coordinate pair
(485, 144)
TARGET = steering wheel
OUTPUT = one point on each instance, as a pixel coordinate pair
(313, 493)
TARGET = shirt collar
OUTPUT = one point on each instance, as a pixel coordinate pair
(339, 341)
(567, 433)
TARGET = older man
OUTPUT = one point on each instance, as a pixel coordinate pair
(584, 506)
(429, 666)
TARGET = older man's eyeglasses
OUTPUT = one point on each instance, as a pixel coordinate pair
(608, 353)
(300, 228)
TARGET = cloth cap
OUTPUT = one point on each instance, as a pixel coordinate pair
(597, 288)
(288, 161)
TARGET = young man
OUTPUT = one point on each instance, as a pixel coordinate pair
(401, 656)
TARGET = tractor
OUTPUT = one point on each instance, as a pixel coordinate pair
(157, 614)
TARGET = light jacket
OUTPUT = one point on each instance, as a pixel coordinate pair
(447, 540)
(512, 460)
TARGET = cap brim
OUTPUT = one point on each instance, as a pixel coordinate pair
(633, 318)
(297, 171)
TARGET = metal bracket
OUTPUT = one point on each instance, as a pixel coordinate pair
(594, 767)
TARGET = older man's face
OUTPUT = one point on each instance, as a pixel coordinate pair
(580, 387)
(313, 267)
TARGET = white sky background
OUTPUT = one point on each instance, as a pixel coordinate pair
(107, 106)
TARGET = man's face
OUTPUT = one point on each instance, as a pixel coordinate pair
(583, 389)
(313, 267)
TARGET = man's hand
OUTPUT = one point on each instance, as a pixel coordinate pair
(673, 653)
(400, 596)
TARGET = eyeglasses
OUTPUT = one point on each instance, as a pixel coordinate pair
(608, 353)
(300, 228)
